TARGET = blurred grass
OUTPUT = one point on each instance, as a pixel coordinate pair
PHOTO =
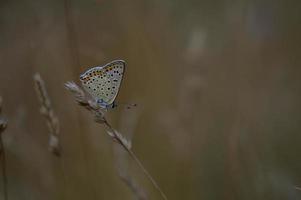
(219, 83)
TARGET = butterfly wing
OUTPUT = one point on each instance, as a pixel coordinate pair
(104, 82)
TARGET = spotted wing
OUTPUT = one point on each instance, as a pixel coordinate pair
(104, 82)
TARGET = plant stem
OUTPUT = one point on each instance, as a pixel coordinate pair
(2, 154)
(136, 159)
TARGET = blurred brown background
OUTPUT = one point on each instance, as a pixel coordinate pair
(217, 82)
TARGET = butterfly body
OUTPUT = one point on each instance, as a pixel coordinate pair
(103, 82)
(103, 104)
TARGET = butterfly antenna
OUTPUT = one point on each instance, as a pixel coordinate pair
(126, 105)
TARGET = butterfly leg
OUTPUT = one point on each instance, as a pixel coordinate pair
(114, 104)
(111, 106)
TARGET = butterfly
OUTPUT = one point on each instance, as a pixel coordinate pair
(103, 82)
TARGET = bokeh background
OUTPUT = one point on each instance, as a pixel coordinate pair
(217, 82)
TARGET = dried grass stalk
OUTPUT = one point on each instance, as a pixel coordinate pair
(128, 123)
(3, 121)
(3, 126)
(99, 114)
(123, 172)
(47, 111)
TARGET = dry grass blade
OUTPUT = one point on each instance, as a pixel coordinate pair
(127, 126)
(3, 125)
(3, 121)
(123, 140)
(99, 114)
(139, 193)
(47, 111)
